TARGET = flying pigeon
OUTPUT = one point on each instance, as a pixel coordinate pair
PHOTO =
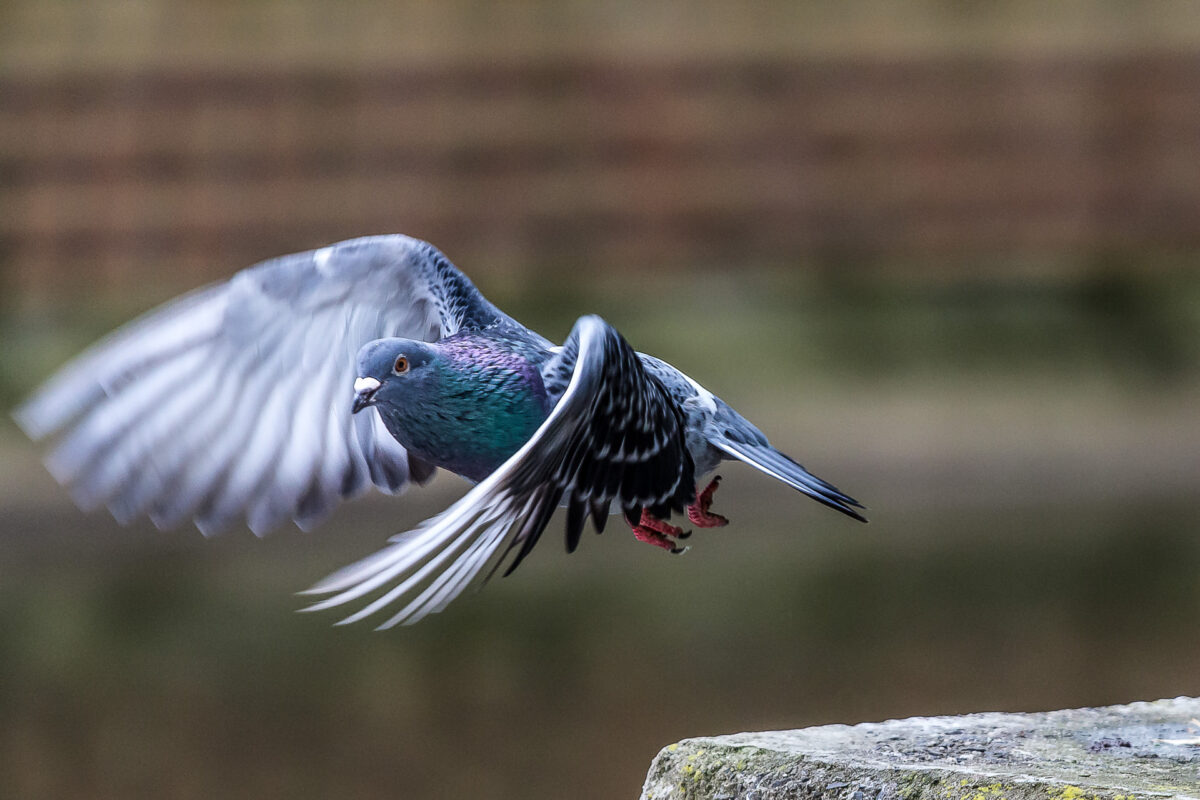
(308, 378)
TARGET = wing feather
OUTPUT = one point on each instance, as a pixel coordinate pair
(234, 400)
(154, 337)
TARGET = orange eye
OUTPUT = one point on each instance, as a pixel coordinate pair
(401, 366)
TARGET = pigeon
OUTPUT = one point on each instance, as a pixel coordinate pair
(307, 379)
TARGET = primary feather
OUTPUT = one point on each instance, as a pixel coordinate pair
(235, 401)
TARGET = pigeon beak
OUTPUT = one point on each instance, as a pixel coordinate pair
(364, 393)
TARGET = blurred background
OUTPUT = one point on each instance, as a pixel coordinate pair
(945, 254)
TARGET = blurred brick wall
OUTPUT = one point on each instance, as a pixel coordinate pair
(113, 176)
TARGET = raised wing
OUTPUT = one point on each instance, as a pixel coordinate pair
(615, 436)
(235, 399)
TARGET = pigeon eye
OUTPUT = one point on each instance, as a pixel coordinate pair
(401, 366)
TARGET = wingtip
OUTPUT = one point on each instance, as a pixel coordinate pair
(23, 416)
(208, 527)
(847, 506)
(161, 520)
(324, 586)
(858, 515)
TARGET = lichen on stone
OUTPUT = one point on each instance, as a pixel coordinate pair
(1114, 753)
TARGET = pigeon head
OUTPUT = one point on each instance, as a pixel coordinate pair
(466, 402)
(392, 370)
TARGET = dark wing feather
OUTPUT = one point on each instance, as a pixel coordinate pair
(614, 436)
(235, 400)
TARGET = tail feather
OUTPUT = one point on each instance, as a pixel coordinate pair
(774, 463)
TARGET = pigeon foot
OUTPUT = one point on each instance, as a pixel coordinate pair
(659, 533)
(698, 511)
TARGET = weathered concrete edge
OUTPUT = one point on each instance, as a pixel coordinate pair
(706, 768)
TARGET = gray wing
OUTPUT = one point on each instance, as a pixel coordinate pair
(235, 399)
(615, 436)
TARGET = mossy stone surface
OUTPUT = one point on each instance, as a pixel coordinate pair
(1131, 752)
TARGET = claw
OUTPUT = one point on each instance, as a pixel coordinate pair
(659, 533)
(698, 511)
(649, 536)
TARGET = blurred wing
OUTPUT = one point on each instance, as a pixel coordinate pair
(614, 436)
(235, 399)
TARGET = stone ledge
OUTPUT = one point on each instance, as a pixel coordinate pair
(1112, 753)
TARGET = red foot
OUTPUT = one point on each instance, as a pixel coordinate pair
(698, 511)
(655, 531)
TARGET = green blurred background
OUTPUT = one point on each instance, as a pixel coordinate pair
(944, 253)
